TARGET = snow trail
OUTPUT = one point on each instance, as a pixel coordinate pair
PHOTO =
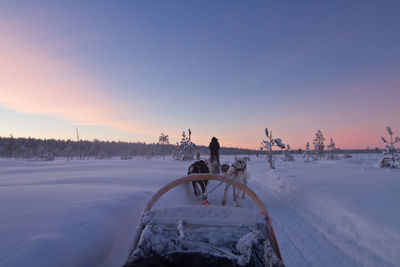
(83, 213)
(314, 231)
(301, 244)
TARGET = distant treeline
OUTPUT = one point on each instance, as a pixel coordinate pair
(340, 151)
(48, 149)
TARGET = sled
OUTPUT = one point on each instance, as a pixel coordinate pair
(204, 235)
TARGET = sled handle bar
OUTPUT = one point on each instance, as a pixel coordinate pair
(248, 191)
(199, 177)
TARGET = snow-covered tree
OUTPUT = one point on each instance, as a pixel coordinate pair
(288, 154)
(176, 152)
(307, 153)
(10, 145)
(391, 157)
(268, 144)
(47, 149)
(125, 153)
(186, 149)
(347, 155)
(163, 140)
(332, 150)
(68, 150)
(149, 152)
(319, 144)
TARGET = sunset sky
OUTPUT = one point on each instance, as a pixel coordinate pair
(129, 70)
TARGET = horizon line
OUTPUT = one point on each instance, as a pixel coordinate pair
(94, 139)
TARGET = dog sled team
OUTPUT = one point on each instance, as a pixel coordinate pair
(180, 236)
(237, 171)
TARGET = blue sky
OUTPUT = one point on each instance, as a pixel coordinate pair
(222, 68)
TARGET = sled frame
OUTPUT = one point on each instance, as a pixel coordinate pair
(196, 177)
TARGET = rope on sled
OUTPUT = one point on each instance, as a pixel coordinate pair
(215, 187)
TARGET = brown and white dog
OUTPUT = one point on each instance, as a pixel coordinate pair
(238, 172)
(200, 166)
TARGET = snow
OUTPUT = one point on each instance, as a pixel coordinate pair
(350, 206)
(209, 230)
(84, 213)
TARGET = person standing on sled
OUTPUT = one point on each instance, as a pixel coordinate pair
(214, 150)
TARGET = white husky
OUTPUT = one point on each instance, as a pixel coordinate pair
(238, 172)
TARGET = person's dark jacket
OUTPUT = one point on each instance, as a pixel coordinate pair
(214, 146)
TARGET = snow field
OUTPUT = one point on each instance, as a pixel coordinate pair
(350, 202)
(83, 213)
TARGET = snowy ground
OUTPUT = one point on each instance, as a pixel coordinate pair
(83, 213)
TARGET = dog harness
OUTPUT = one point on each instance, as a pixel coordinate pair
(239, 165)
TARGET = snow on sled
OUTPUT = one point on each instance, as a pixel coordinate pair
(204, 235)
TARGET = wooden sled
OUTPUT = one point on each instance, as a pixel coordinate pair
(204, 235)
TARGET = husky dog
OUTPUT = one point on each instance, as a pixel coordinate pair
(238, 172)
(214, 166)
(224, 168)
(199, 166)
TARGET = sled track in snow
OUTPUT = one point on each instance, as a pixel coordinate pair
(307, 238)
(298, 239)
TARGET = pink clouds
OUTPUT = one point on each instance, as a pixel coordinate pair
(33, 81)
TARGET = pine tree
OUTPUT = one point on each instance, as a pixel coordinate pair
(125, 153)
(319, 144)
(347, 155)
(176, 152)
(68, 150)
(288, 154)
(391, 157)
(80, 146)
(10, 146)
(268, 144)
(186, 149)
(332, 149)
(163, 140)
(307, 153)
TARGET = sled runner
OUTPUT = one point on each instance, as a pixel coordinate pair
(204, 235)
